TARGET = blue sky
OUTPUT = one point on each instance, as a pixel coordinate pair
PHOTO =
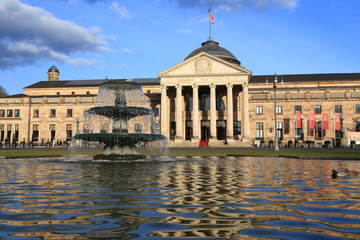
(94, 39)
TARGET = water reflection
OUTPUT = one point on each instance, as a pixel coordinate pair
(207, 198)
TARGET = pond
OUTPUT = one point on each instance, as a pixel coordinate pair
(182, 198)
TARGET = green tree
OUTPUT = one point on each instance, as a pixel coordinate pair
(3, 92)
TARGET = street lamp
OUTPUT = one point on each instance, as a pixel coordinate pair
(276, 133)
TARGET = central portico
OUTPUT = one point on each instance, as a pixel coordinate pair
(204, 98)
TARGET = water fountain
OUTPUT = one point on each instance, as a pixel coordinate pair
(131, 122)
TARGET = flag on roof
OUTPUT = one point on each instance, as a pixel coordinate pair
(211, 16)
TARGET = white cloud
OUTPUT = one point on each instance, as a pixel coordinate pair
(82, 62)
(186, 31)
(30, 33)
(120, 10)
(126, 50)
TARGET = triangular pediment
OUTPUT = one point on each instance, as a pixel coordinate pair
(204, 64)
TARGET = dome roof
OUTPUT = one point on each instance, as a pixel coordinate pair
(53, 68)
(214, 49)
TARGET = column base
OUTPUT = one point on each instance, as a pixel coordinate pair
(178, 139)
(246, 139)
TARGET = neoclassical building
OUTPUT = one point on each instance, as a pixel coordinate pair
(209, 96)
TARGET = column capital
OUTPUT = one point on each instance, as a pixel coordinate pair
(229, 85)
(245, 84)
(212, 85)
(195, 86)
(163, 87)
(178, 86)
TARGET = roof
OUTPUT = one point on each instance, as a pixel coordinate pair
(15, 96)
(88, 83)
(323, 77)
(214, 49)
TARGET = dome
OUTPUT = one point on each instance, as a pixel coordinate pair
(53, 68)
(214, 49)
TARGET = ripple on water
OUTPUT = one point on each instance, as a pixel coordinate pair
(269, 233)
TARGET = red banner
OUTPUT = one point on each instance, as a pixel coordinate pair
(325, 121)
(312, 120)
(337, 121)
(298, 119)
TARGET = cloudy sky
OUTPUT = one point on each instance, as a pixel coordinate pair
(94, 39)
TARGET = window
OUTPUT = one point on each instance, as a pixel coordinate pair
(156, 111)
(52, 112)
(103, 128)
(72, 93)
(259, 130)
(16, 133)
(2, 132)
(204, 101)
(189, 104)
(8, 134)
(68, 132)
(237, 128)
(338, 109)
(17, 113)
(278, 109)
(298, 132)
(318, 130)
(57, 93)
(279, 130)
(35, 134)
(9, 113)
(297, 108)
(317, 109)
(137, 128)
(172, 128)
(87, 93)
(2, 113)
(69, 113)
(36, 113)
(357, 126)
(259, 110)
(52, 131)
(357, 108)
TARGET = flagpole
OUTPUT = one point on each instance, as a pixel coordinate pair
(209, 24)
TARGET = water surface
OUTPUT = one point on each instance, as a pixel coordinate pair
(183, 198)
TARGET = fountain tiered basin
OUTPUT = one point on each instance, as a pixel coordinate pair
(121, 122)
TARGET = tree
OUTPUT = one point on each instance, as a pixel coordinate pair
(3, 92)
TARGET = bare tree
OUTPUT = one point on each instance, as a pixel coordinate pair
(3, 92)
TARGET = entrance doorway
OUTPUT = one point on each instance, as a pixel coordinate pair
(188, 130)
(205, 130)
(220, 130)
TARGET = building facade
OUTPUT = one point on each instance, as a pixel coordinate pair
(207, 97)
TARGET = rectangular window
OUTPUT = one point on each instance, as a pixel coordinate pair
(357, 126)
(279, 130)
(35, 134)
(357, 108)
(9, 113)
(318, 130)
(317, 109)
(2, 132)
(259, 110)
(69, 132)
(52, 113)
(137, 128)
(17, 113)
(8, 134)
(237, 128)
(298, 132)
(36, 113)
(172, 128)
(297, 108)
(157, 128)
(69, 113)
(278, 109)
(2, 113)
(103, 128)
(16, 133)
(259, 130)
(52, 131)
(338, 109)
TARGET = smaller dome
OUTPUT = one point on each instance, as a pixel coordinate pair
(53, 68)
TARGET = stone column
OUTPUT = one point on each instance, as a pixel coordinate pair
(213, 111)
(229, 113)
(164, 113)
(245, 112)
(178, 113)
(195, 112)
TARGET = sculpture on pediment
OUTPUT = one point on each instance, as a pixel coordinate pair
(203, 65)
